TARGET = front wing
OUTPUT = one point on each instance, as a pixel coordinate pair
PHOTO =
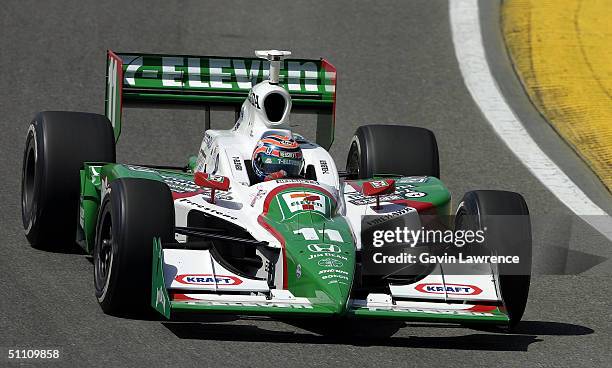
(283, 303)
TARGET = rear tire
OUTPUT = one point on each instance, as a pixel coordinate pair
(392, 150)
(131, 215)
(505, 217)
(57, 145)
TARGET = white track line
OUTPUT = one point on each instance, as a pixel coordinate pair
(467, 38)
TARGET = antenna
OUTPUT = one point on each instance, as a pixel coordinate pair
(274, 57)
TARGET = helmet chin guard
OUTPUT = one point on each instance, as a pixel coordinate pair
(274, 57)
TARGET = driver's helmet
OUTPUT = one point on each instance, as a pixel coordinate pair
(277, 154)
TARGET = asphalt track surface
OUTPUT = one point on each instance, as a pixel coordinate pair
(396, 65)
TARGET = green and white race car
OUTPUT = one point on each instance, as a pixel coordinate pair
(211, 237)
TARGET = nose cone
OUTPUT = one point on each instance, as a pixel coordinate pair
(318, 244)
(324, 275)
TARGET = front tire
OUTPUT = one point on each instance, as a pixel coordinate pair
(504, 217)
(131, 215)
(57, 145)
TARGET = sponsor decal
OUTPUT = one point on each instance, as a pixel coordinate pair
(327, 254)
(216, 178)
(318, 248)
(413, 180)
(430, 311)
(221, 73)
(334, 276)
(375, 220)
(329, 262)
(180, 185)
(254, 99)
(257, 196)
(212, 211)
(302, 181)
(305, 201)
(113, 94)
(203, 154)
(406, 192)
(141, 169)
(208, 279)
(208, 140)
(451, 289)
(334, 279)
(309, 233)
(283, 154)
(237, 163)
(379, 184)
(298, 271)
(324, 167)
(256, 304)
(201, 162)
(401, 192)
(332, 271)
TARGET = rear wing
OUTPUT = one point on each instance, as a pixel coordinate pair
(205, 82)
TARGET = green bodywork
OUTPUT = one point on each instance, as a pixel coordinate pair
(437, 197)
(92, 176)
(89, 204)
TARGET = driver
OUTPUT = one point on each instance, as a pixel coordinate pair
(276, 157)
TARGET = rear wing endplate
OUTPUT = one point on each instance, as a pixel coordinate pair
(203, 82)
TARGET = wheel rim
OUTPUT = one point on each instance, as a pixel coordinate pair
(104, 255)
(460, 219)
(352, 165)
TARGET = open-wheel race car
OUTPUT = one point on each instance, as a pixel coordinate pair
(260, 222)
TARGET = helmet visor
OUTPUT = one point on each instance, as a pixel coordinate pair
(292, 167)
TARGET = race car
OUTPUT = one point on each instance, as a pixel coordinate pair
(260, 221)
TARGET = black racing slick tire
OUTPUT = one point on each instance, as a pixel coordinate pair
(133, 212)
(378, 150)
(57, 145)
(504, 218)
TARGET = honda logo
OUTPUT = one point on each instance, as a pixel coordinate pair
(318, 248)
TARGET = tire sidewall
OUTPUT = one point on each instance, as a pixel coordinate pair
(30, 215)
